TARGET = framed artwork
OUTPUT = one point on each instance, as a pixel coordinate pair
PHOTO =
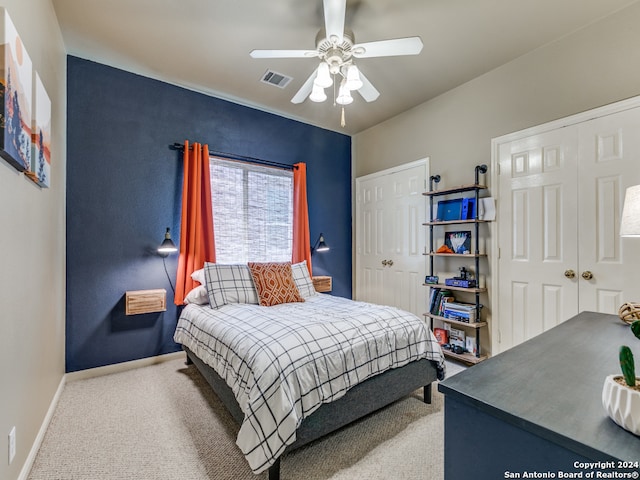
(40, 170)
(16, 89)
(458, 242)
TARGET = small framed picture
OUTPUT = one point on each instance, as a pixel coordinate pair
(431, 279)
(458, 242)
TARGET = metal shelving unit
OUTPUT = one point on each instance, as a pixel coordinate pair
(475, 256)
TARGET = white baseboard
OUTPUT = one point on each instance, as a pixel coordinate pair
(122, 367)
(74, 376)
(26, 468)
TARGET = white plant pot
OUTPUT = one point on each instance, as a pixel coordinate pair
(622, 404)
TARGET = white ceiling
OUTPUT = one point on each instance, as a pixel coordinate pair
(204, 45)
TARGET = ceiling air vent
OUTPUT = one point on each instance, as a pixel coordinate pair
(275, 78)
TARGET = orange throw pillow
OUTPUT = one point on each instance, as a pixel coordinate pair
(274, 283)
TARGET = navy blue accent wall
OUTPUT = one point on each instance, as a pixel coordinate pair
(124, 188)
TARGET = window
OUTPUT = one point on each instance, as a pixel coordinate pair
(252, 211)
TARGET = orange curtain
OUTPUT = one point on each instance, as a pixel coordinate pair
(197, 243)
(301, 237)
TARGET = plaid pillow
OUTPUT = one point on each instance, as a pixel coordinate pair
(229, 284)
(274, 283)
(303, 280)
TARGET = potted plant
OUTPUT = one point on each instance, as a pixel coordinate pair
(621, 393)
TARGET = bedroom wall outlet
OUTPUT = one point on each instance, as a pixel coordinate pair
(12, 444)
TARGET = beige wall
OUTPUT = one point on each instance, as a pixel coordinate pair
(592, 67)
(32, 255)
(586, 69)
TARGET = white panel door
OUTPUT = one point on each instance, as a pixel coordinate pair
(560, 200)
(390, 237)
(609, 163)
(537, 239)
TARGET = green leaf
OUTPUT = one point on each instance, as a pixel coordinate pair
(635, 328)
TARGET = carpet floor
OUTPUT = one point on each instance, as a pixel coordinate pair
(164, 422)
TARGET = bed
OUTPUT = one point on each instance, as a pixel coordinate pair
(293, 372)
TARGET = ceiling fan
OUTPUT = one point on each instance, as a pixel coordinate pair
(336, 49)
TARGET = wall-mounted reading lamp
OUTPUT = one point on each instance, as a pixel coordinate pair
(167, 246)
(320, 245)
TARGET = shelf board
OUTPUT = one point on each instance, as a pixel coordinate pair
(457, 322)
(454, 222)
(464, 255)
(460, 289)
(458, 189)
(464, 357)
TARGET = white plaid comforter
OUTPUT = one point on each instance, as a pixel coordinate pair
(283, 362)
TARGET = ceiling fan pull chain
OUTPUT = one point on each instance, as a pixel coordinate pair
(342, 122)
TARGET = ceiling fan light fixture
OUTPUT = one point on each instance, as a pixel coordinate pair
(353, 78)
(344, 94)
(336, 50)
(323, 78)
(317, 94)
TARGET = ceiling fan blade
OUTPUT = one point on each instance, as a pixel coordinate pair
(334, 13)
(367, 90)
(283, 53)
(388, 48)
(305, 90)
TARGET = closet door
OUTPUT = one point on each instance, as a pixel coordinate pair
(390, 237)
(609, 153)
(537, 236)
(560, 198)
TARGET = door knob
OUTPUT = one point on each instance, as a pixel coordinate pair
(389, 262)
(384, 263)
(587, 275)
(569, 273)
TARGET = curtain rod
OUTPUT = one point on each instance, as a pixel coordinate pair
(232, 156)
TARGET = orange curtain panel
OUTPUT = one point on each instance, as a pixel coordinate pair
(301, 237)
(197, 244)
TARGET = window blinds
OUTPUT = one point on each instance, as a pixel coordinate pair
(252, 212)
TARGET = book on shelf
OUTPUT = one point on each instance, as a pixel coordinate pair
(441, 335)
(464, 312)
(442, 295)
(465, 318)
(468, 208)
(432, 298)
(457, 337)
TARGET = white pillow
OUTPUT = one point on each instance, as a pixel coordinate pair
(198, 276)
(198, 295)
(229, 284)
(303, 280)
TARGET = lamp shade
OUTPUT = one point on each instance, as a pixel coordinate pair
(167, 246)
(317, 94)
(323, 78)
(320, 245)
(630, 224)
(353, 78)
(344, 94)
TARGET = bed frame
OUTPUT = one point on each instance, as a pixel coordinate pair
(364, 398)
